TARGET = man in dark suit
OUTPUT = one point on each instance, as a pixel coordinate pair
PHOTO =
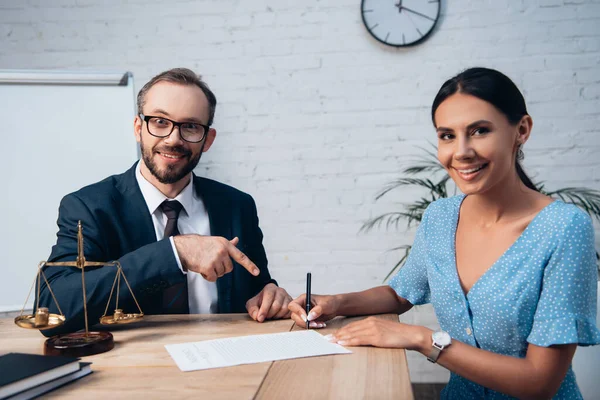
(186, 244)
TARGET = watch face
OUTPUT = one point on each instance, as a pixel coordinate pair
(400, 22)
(441, 338)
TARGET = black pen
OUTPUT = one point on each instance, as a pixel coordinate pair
(307, 298)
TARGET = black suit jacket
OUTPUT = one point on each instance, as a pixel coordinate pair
(118, 226)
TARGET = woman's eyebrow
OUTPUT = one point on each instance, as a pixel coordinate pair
(469, 127)
(477, 123)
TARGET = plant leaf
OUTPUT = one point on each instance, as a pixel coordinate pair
(586, 199)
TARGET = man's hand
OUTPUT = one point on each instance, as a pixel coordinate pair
(271, 303)
(210, 256)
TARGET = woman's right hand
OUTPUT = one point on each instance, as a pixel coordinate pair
(323, 309)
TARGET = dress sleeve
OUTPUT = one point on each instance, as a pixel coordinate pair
(566, 309)
(411, 282)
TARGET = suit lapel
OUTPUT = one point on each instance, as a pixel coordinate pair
(136, 218)
(137, 221)
(219, 216)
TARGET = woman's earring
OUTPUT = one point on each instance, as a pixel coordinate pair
(520, 154)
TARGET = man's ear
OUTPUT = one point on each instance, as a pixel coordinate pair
(210, 138)
(137, 128)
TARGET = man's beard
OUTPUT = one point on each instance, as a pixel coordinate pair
(171, 173)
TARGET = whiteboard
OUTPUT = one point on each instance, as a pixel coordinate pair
(62, 130)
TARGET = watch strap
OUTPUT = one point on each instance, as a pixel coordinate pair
(435, 352)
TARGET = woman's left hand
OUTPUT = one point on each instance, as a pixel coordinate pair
(379, 332)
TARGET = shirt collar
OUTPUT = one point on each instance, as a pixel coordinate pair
(155, 197)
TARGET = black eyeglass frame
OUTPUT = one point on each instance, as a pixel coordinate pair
(147, 118)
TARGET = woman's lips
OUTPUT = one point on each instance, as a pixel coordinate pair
(470, 173)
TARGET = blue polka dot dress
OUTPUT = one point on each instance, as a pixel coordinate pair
(542, 290)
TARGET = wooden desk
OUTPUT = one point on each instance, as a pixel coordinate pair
(140, 367)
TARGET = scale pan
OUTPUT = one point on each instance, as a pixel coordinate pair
(125, 319)
(28, 321)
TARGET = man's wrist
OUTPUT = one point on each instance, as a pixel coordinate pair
(180, 264)
(181, 246)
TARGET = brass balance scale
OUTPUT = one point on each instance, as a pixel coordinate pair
(85, 343)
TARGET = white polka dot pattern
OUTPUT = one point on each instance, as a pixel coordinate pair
(542, 290)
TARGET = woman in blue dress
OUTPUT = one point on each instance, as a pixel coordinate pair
(511, 273)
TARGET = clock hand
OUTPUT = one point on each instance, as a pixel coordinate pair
(418, 13)
(399, 5)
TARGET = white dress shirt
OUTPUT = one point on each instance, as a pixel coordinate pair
(202, 294)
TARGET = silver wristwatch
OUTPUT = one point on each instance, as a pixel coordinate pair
(441, 340)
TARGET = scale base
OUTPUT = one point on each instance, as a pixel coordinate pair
(79, 344)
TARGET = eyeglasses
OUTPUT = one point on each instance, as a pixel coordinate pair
(161, 127)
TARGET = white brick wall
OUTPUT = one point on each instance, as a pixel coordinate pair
(315, 116)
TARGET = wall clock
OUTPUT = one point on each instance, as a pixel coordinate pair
(400, 23)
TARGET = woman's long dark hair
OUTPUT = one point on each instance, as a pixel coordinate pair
(495, 88)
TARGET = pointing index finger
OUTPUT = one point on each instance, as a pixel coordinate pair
(242, 259)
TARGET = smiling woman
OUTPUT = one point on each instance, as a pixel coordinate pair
(511, 273)
(492, 94)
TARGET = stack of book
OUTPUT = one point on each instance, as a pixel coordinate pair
(25, 376)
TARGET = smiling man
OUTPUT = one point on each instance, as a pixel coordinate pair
(186, 244)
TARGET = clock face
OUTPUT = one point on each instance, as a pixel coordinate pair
(400, 22)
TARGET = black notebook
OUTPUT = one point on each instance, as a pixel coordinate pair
(19, 372)
(56, 383)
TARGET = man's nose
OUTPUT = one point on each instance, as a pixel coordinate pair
(175, 136)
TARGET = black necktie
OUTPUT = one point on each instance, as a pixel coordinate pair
(175, 298)
(171, 208)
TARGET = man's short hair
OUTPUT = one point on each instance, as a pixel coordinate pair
(182, 76)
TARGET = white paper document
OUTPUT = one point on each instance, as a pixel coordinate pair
(227, 352)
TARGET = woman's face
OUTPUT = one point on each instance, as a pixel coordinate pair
(476, 142)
